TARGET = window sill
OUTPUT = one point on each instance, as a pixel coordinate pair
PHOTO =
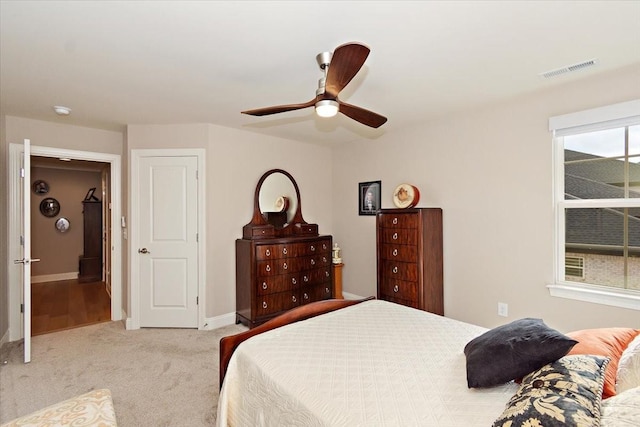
(597, 295)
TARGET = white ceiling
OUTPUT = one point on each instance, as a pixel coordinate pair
(154, 62)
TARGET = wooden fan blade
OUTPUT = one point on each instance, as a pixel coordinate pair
(278, 109)
(361, 115)
(345, 63)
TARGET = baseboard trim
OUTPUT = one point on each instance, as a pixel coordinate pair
(216, 322)
(5, 338)
(347, 295)
(54, 277)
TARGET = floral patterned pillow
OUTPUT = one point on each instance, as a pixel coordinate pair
(567, 392)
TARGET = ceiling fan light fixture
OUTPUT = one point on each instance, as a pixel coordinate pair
(327, 108)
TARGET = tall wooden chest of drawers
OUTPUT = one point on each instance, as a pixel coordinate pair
(409, 256)
(278, 274)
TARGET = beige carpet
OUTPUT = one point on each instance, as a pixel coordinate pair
(158, 377)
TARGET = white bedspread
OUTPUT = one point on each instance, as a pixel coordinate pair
(372, 364)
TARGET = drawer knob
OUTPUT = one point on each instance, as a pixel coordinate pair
(285, 266)
(326, 273)
(395, 220)
(284, 251)
(395, 236)
(268, 252)
(395, 269)
(395, 288)
(324, 246)
(306, 296)
(395, 252)
(264, 285)
(293, 298)
(313, 248)
(327, 291)
(313, 262)
(305, 278)
(324, 259)
(294, 281)
(268, 267)
(264, 304)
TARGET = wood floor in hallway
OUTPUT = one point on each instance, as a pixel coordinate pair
(68, 304)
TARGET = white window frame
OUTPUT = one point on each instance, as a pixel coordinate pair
(612, 116)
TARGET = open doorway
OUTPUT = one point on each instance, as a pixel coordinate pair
(114, 251)
(70, 285)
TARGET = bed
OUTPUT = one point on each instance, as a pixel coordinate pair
(359, 363)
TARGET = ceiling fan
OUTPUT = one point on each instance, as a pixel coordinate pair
(339, 68)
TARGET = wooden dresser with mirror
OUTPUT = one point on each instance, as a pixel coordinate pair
(281, 261)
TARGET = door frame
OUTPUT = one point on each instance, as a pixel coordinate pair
(15, 150)
(133, 321)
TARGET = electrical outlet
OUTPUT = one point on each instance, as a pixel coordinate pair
(503, 309)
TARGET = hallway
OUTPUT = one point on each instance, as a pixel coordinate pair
(67, 304)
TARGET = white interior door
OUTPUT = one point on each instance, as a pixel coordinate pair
(168, 228)
(25, 241)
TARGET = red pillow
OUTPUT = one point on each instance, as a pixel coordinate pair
(609, 342)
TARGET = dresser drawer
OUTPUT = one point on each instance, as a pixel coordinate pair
(266, 252)
(266, 231)
(313, 277)
(313, 248)
(403, 236)
(273, 284)
(400, 270)
(273, 267)
(311, 229)
(398, 252)
(315, 293)
(408, 303)
(315, 261)
(399, 220)
(399, 289)
(274, 303)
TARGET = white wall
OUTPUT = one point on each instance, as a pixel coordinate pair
(57, 135)
(235, 161)
(490, 171)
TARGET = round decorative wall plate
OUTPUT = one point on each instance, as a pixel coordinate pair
(40, 187)
(62, 225)
(406, 196)
(49, 207)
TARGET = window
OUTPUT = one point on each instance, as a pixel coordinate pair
(597, 205)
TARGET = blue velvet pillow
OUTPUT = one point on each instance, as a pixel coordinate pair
(512, 351)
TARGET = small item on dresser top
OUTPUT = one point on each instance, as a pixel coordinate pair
(282, 204)
(336, 259)
(406, 196)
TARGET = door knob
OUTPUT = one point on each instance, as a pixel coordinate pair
(25, 261)
(143, 251)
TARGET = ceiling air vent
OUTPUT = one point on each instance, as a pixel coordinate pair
(569, 68)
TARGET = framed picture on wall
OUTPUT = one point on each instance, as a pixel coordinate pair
(369, 197)
(90, 197)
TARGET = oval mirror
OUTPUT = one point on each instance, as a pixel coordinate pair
(277, 209)
(278, 197)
